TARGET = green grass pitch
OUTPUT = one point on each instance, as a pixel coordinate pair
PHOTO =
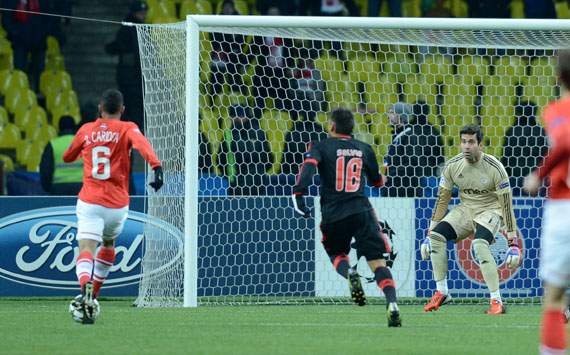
(34, 326)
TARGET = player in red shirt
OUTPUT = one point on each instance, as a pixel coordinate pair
(555, 243)
(102, 207)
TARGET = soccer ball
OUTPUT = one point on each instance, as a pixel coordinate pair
(77, 313)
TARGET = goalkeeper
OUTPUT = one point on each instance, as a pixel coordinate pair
(485, 205)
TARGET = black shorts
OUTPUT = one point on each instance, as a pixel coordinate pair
(363, 227)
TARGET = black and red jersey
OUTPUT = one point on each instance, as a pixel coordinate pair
(343, 164)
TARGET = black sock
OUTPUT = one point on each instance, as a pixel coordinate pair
(341, 264)
(384, 280)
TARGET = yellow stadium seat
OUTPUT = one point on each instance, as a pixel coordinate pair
(54, 62)
(342, 93)
(210, 128)
(497, 115)
(512, 67)
(6, 60)
(9, 136)
(52, 46)
(380, 96)
(331, 68)
(459, 8)
(410, 8)
(36, 124)
(502, 86)
(34, 156)
(399, 65)
(3, 116)
(517, 9)
(276, 124)
(159, 9)
(435, 68)
(21, 97)
(473, 67)
(200, 7)
(416, 89)
(382, 132)
(58, 80)
(13, 80)
(8, 163)
(562, 11)
(363, 68)
(62, 99)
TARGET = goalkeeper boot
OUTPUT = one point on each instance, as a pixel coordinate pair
(393, 314)
(356, 290)
(437, 300)
(496, 307)
(88, 304)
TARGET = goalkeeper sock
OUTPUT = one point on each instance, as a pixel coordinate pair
(442, 286)
(487, 264)
(553, 332)
(383, 278)
(496, 296)
(103, 263)
(341, 264)
(438, 256)
(84, 267)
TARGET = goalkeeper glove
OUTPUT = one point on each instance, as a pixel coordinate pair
(300, 207)
(514, 255)
(158, 179)
(425, 247)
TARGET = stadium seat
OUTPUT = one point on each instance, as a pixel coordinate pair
(517, 9)
(474, 68)
(13, 80)
(331, 68)
(240, 5)
(199, 7)
(363, 68)
(276, 124)
(59, 112)
(512, 67)
(416, 89)
(410, 8)
(562, 10)
(158, 10)
(6, 60)
(20, 97)
(435, 68)
(399, 65)
(32, 155)
(459, 8)
(57, 80)
(382, 132)
(342, 93)
(497, 115)
(52, 46)
(54, 62)
(381, 95)
(61, 99)
(3, 116)
(542, 86)
(7, 162)
(10, 136)
(210, 128)
(36, 123)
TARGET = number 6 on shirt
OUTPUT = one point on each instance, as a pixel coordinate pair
(101, 159)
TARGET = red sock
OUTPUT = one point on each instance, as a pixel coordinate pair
(553, 332)
(103, 263)
(84, 267)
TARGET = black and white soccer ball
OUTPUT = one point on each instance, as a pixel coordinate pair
(76, 311)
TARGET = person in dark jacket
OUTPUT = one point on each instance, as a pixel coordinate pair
(303, 132)
(524, 146)
(416, 150)
(244, 155)
(59, 178)
(129, 75)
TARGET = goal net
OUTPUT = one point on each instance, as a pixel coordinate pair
(241, 107)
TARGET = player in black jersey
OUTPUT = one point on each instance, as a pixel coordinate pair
(342, 163)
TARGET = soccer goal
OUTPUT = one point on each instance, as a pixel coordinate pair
(230, 102)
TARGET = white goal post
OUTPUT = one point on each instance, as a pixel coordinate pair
(227, 192)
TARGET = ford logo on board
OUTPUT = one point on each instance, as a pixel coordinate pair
(38, 248)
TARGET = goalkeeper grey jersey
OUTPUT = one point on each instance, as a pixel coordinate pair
(478, 183)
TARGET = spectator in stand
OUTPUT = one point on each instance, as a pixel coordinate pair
(304, 132)
(244, 155)
(228, 57)
(129, 75)
(416, 150)
(286, 7)
(328, 8)
(57, 177)
(272, 72)
(539, 9)
(374, 7)
(307, 87)
(489, 8)
(28, 34)
(524, 146)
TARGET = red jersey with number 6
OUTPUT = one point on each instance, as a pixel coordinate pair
(105, 146)
(342, 163)
(556, 164)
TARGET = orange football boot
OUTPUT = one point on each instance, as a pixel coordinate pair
(496, 307)
(437, 300)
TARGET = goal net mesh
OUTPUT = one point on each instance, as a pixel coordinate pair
(265, 94)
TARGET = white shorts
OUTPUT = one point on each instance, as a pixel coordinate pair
(99, 223)
(555, 243)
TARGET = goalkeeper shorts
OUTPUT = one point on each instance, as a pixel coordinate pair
(363, 226)
(555, 244)
(99, 223)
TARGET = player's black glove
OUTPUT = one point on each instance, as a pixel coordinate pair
(300, 207)
(158, 179)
